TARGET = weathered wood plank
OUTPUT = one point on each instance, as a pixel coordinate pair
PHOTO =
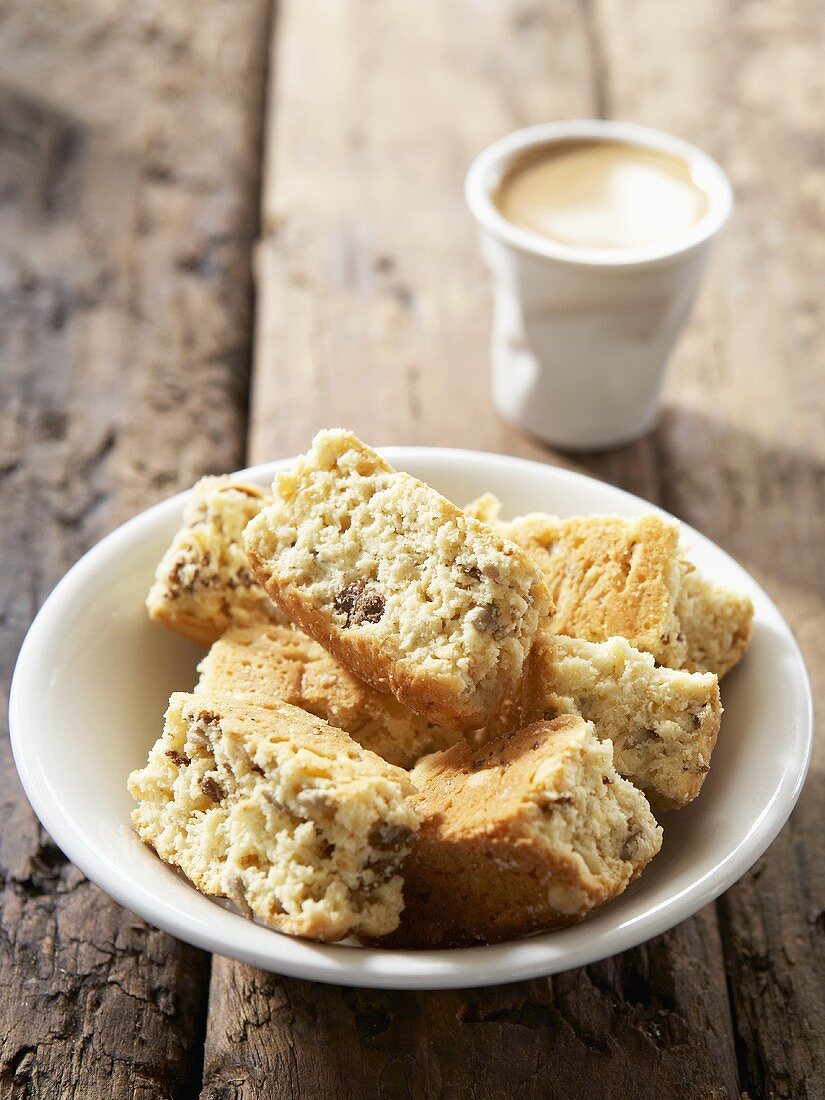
(645, 1024)
(373, 312)
(128, 161)
(741, 453)
(374, 307)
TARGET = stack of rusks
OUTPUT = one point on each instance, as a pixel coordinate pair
(419, 725)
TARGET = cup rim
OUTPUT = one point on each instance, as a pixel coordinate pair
(486, 171)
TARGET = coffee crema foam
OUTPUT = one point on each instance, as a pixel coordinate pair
(592, 193)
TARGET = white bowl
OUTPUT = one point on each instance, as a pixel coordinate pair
(94, 676)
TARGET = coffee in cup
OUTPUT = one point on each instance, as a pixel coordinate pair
(600, 194)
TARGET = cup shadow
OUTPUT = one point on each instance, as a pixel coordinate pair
(760, 501)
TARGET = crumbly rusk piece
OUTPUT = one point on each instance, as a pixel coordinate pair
(278, 811)
(203, 584)
(530, 832)
(607, 575)
(716, 622)
(610, 575)
(663, 722)
(271, 664)
(411, 594)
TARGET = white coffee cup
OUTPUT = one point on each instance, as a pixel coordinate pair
(581, 336)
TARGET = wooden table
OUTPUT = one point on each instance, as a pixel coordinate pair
(133, 362)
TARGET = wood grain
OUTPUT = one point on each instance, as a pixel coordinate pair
(741, 453)
(373, 309)
(128, 182)
(373, 313)
(127, 206)
(648, 1024)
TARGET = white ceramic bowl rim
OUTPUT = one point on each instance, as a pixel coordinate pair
(487, 169)
(228, 934)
